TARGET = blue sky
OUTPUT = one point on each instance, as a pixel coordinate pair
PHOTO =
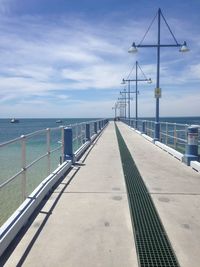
(64, 58)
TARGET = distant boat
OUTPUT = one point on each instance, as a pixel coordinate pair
(59, 121)
(14, 120)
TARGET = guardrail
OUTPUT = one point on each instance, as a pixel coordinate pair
(44, 150)
(26, 161)
(173, 135)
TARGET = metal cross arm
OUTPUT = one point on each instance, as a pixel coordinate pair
(138, 80)
(125, 98)
(134, 92)
(161, 45)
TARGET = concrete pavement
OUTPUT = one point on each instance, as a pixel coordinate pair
(86, 221)
(175, 190)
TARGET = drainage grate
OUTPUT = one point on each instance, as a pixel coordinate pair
(153, 246)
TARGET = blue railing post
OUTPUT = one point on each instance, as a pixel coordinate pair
(157, 131)
(95, 127)
(88, 137)
(191, 149)
(144, 127)
(68, 144)
(100, 125)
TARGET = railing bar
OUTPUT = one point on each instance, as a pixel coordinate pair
(36, 160)
(56, 128)
(35, 133)
(41, 157)
(10, 142)
(10, 179)
(55, 149)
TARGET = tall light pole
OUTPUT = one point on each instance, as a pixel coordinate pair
(183, 48)
(115, 108)
(136, 80)
(125, 98)
(123, 94)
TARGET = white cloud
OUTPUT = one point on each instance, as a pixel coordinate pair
(40, 57)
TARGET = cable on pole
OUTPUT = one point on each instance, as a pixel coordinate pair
(148, 29)
(169, 28)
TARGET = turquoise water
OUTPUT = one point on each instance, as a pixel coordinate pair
(10, 158)
(10, 131)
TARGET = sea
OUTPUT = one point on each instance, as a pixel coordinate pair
(11, 195)
(10, 131)
(10, 156)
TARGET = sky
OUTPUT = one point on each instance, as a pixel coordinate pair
(67, 58)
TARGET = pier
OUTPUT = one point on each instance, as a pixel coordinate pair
(86, 220)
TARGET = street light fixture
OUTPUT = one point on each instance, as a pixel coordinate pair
(182, 48)
(136, 80)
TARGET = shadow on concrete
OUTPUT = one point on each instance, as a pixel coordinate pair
(76, 167)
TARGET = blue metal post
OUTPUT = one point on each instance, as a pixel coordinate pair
(95, 127)
(68, 144)
(99, 125)
(136, 95)
(125, 102)
(157, 124)
(129, 102)
(88, 137)
(191, 149)
(144, 127)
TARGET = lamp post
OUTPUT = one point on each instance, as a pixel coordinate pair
(115, 108)
(121, 107)
(183, 48)
(123, 94)
(136, 80)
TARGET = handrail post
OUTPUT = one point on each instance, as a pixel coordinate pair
(23, 184)
(88, 137)
(160, 137)
(95, 127)
(191, 151)
(156, 130)
(166, 142)
(68, 144)
(99, 125)
(48, 152)
(62, 141)
(175, 136)
(144, 127)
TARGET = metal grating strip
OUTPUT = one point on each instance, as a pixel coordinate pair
(152, 243)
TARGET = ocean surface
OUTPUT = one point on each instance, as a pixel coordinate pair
(11, 156)
(10, 131)
(11, 195)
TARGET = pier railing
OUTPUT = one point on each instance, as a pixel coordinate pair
(26, 161)
(173, 135)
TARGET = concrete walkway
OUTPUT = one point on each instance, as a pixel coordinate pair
(86, 221)
(175, 190)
